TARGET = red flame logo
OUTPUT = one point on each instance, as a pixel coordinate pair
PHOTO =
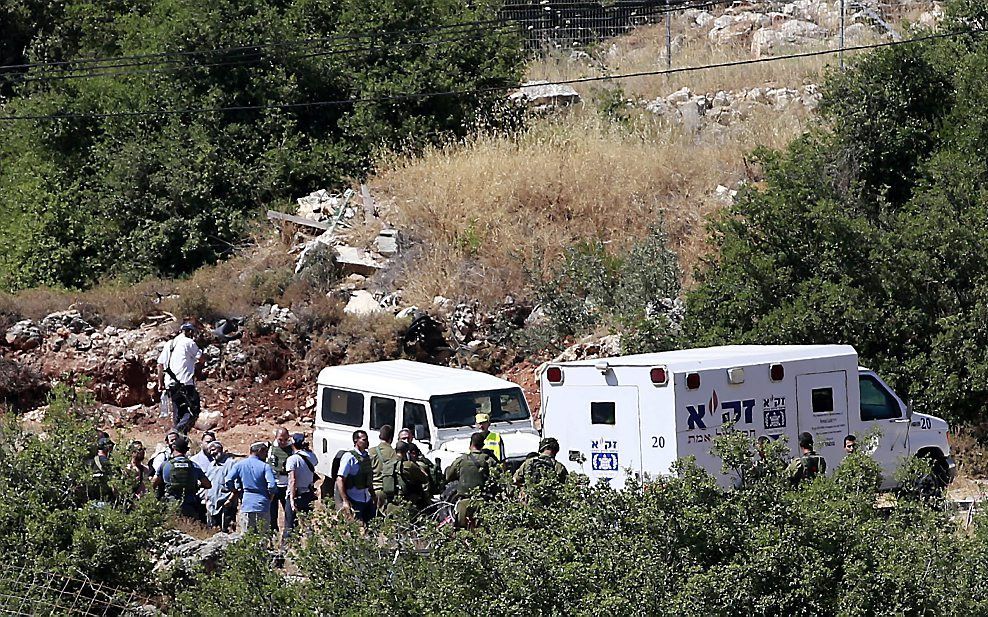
(714, 402)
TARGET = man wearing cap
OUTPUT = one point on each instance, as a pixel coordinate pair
(544, 467)
(179, 479)
(252, 481)
(492, 441)
(809, 465)
(176, 378)
(301, 468)
(414, 482)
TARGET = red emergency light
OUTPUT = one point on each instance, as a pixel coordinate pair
(693, 381)
(776, 372)
(554, 374)
(659, 376)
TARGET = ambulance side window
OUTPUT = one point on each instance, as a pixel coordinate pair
(877, 403)
(823, 400)
(602, 413)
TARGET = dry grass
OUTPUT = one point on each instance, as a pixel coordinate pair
(485, 210)
(230, 288)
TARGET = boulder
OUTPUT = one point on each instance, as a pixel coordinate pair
(208, 420)
(736, 29)
(791, 33)
(353, 260)
(23, 335)
(679, 96)
(543, 95)
(71, 320)
(591, 347)
(362, 303)
(184, 553)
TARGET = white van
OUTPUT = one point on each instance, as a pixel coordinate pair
(640, 413)
(438, 404)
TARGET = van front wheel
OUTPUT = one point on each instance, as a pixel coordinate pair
(936, 482)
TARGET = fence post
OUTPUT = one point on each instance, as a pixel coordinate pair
(840, 52)
(669, 35)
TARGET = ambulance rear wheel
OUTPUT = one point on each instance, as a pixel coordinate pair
(936, 483)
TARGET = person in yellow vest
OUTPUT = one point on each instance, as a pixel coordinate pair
(492, 441)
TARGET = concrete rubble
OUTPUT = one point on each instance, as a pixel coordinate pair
(542, 95)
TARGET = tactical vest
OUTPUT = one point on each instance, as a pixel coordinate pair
(279, 459)
(181, 478)
(493, 443)
(813, 465)
(474, 473)
(364, 477)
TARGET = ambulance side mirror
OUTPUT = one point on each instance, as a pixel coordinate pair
(909, 410)
(420, 433)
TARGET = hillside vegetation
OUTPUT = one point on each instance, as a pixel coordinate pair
(133, 178)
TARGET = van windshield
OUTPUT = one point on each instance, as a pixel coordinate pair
(459, 410)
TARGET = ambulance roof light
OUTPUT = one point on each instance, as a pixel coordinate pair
(735, 375)
(659, 375)
(554, 374)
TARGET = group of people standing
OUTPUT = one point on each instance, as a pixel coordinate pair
(370, 480)
(217, 489)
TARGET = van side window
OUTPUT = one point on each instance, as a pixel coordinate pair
(823, 400)
(382, 412)
(412, 414)
(342, 407)
(877, 403)
(602, 413)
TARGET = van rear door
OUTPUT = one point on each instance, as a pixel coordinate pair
(821, 407)
(598, 428)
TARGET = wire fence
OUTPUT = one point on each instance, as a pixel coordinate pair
(28, 591)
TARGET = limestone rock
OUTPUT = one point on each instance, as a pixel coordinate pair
(362, 303)
(23, 335)
(591, 347)
(71, 320)
(543, 95)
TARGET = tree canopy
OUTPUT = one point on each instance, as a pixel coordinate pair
(97, 192)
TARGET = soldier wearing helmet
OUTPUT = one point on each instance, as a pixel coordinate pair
(544, 467)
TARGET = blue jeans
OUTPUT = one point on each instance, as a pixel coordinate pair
(304, 502)
(364, 510)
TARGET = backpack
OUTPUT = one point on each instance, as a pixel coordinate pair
(391, 477)
(813, 465)
(540, 469)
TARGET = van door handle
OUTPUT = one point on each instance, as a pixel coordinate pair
(901, 420)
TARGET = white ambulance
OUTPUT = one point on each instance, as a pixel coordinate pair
(640, 413)
(438, 404)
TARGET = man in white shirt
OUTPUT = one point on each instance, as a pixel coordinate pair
(301, 468)
(176, 378)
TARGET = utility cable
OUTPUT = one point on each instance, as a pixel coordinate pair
(425, 95)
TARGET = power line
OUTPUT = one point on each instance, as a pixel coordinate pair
(286, 43)
(425, 95)
(255, 58)
(672, 7)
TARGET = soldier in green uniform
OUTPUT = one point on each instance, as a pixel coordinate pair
(411, 478)
(544, 467)
(809, 465)
(472, 472)
(380, 455)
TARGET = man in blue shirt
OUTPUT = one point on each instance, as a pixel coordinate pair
(252, 479)
(355, 479)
